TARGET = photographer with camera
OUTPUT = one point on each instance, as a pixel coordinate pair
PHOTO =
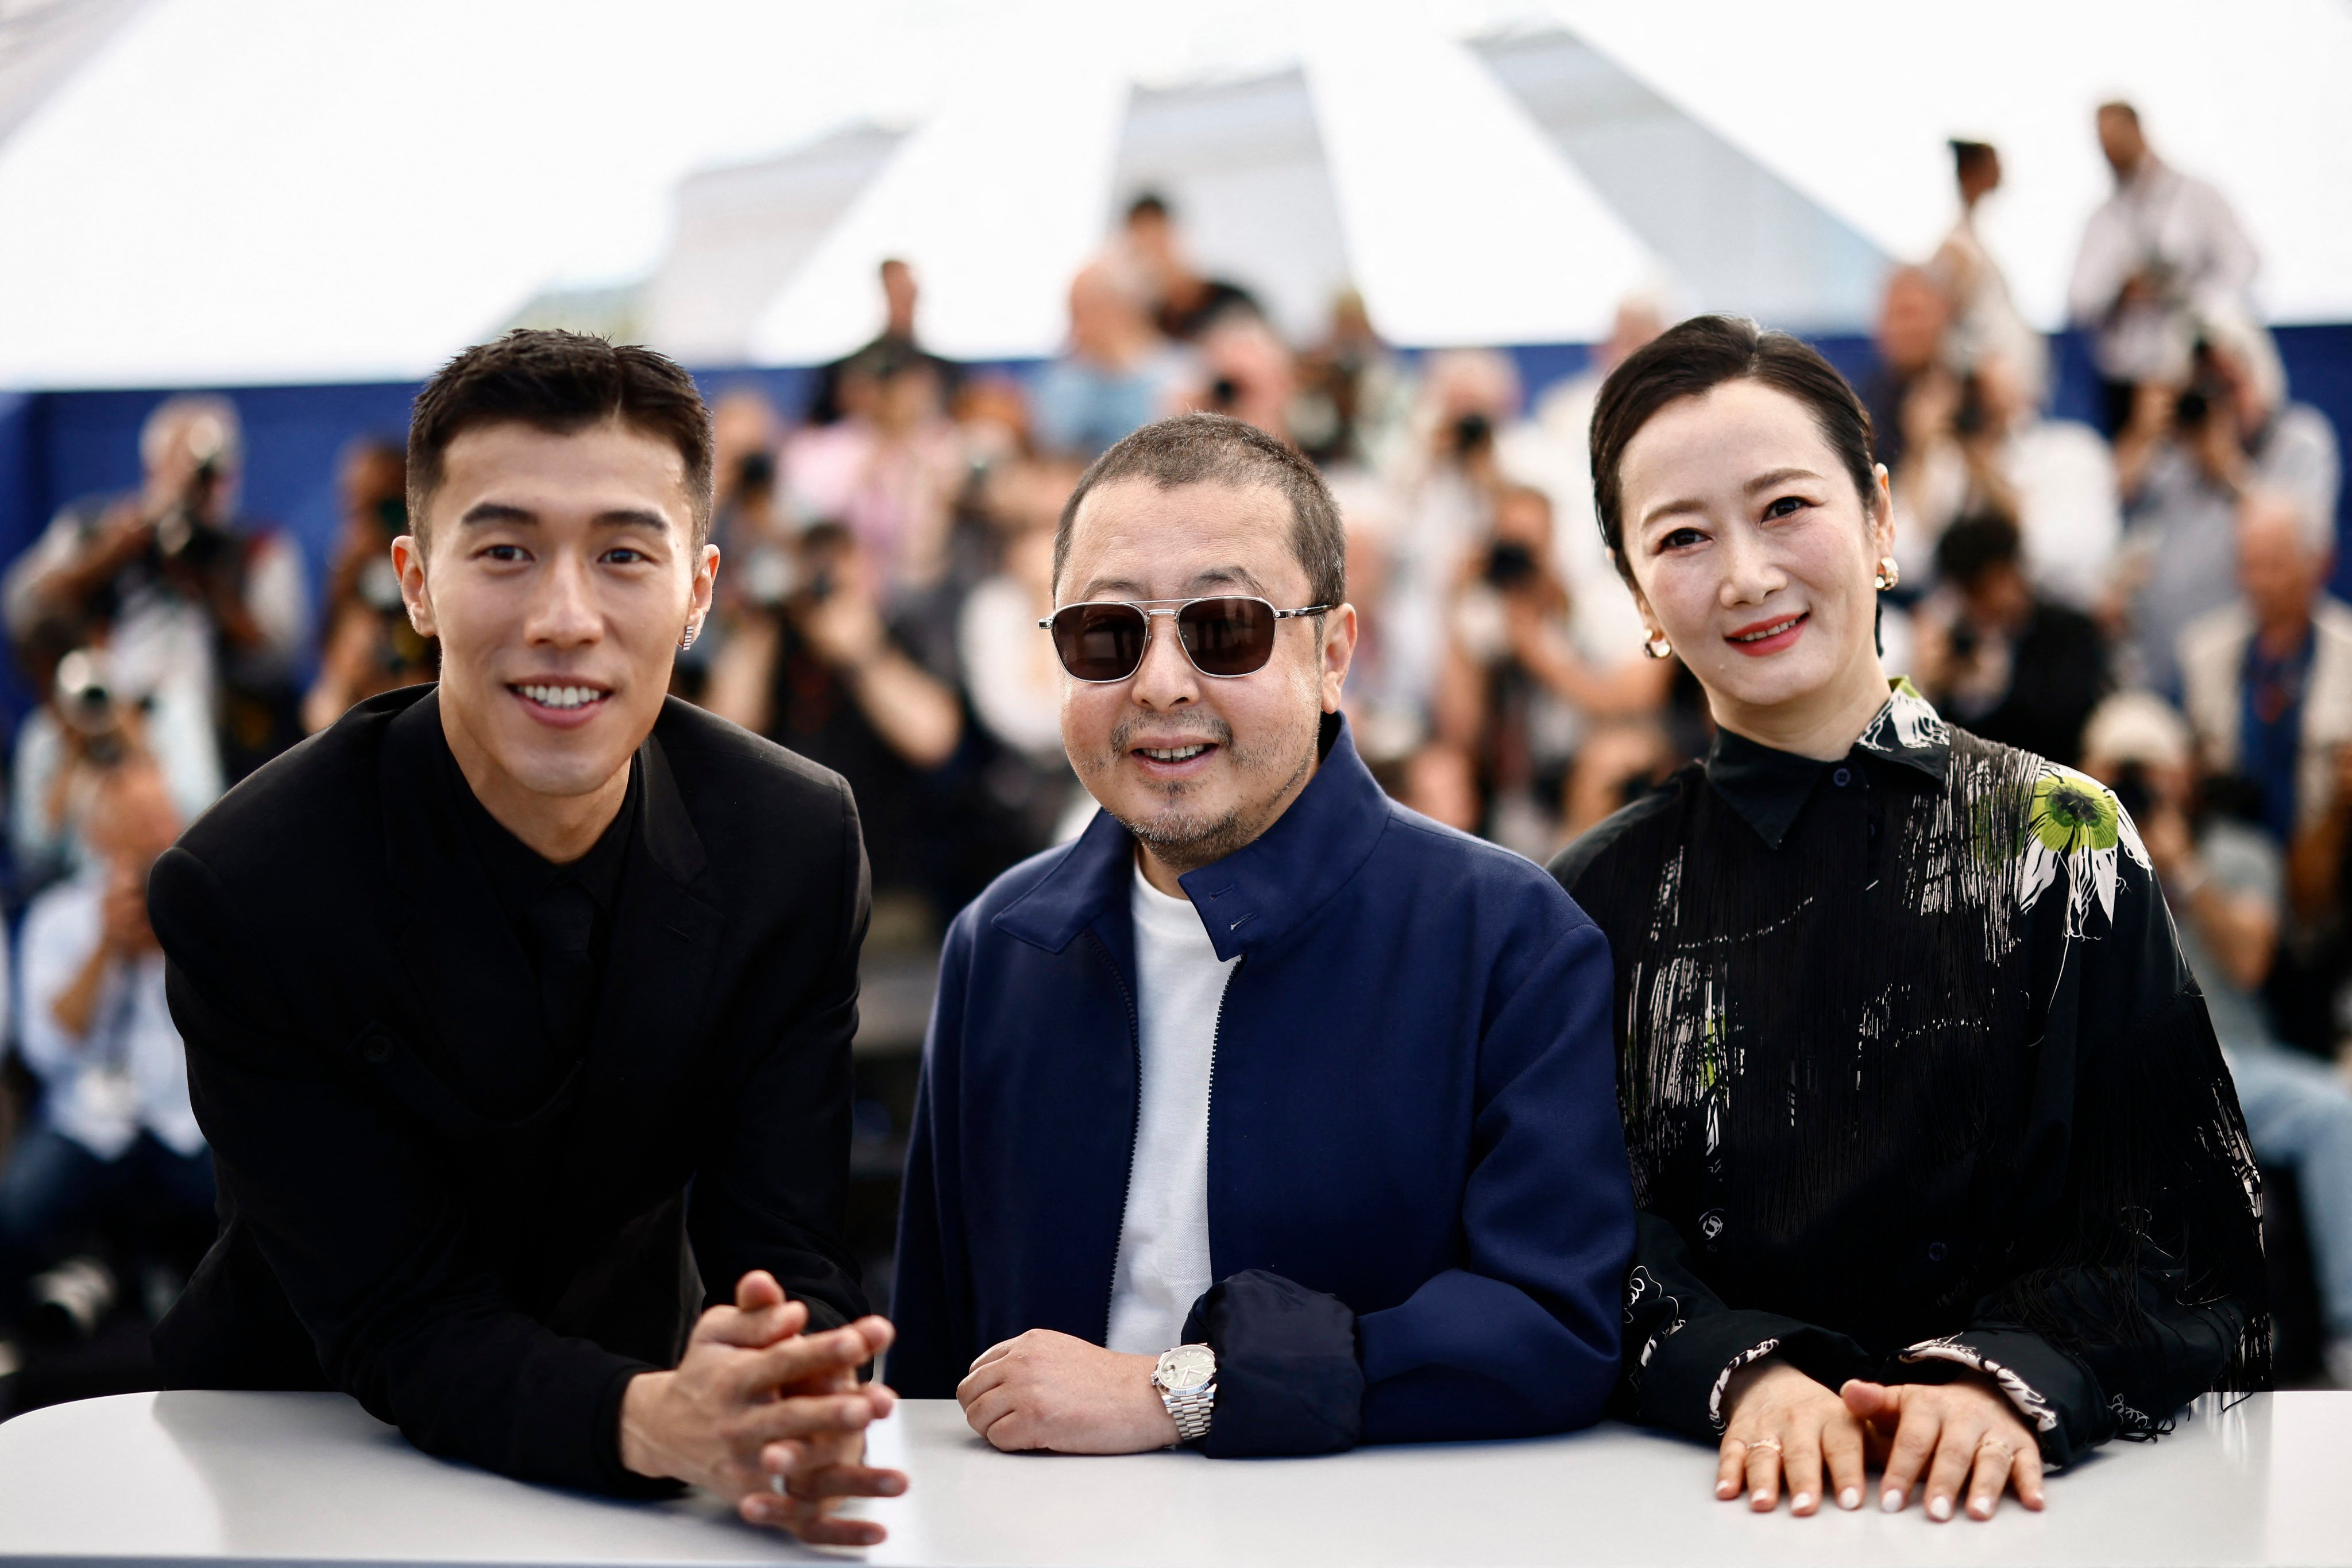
(2191, 453)
(1978, 442)
(2162, 252)
(2008, 662)
(83, 729)
(1520, 691)
(185, 592)
(370, 647)
(815, 666)
(115, 1144)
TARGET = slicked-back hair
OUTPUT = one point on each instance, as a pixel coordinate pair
(1697, 356)
(1217, 449)
(560, 383)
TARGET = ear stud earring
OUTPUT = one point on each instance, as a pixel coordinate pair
(1889, 573)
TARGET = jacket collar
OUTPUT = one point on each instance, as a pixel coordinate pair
(1252, 900)
(1768, 787)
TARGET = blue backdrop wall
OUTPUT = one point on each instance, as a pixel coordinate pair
(57, 445)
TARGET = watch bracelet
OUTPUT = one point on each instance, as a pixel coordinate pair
(1192, 1410)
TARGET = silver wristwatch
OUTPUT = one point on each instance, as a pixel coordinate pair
(1186, 1378)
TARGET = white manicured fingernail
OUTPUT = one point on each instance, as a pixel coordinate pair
(1757, 1496)
(1801, 1502)
(1851, 1497)
(1891, 1500)
(1939, 1508)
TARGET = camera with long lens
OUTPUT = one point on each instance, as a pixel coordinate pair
(86, 703)
(2206, 390)
(186, 532)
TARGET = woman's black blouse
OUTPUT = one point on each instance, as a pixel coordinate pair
(1915, 1080)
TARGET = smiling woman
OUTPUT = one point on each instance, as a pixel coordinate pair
(1940, 1166)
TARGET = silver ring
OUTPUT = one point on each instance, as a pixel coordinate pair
(1772, 1443)
(776, 1485)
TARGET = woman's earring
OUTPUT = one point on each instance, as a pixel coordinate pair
(1889, 573)
(693, 630)
(1658, 647)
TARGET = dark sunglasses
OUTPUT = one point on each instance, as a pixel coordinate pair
(1103, 640)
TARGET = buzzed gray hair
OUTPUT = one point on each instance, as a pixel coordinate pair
(1217, 449)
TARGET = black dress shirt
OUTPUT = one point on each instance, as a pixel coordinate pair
(563, 916)
(1915, 1080)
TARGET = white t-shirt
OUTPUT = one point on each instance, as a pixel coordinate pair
(1163, 1239)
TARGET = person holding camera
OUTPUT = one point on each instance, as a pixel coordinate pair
(114, 1143)
(196, 604)
(2010, 663)
(83, 727)
(818, 667)
(370, 646)
(1978, 443)
(2192, 451)
(2162, 252)
(1520, 689)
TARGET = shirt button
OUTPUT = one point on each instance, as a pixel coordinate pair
(1841, 778)
(1937, 1252)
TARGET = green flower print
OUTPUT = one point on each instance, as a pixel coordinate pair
(2070, 813)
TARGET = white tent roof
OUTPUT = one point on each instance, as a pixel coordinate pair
(268, 190)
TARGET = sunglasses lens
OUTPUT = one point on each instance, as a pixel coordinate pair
(1100, 642)
(1227, 637)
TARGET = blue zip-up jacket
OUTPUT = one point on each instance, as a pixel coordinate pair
(1420, 1217)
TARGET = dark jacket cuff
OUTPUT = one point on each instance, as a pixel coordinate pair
(2058, 1396)
(1287, 1378)
(613, 1476)
(1682, 1388)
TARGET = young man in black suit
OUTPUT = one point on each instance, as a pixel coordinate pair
(519, 1007)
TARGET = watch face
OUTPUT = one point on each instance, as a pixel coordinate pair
(1187, 1367)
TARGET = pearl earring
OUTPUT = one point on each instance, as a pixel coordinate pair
(1657, 647)
(1889, 573)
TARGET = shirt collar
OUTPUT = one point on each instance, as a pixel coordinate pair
(520, 874)
(1253, 899)
(1769, 787)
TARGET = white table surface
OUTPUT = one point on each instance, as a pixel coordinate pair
(273, 1477)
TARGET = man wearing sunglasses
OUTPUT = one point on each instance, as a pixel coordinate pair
(1266, 1116)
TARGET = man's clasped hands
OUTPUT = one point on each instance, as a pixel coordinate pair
(768, 1416)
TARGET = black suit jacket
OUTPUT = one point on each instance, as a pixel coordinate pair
(488, 1275)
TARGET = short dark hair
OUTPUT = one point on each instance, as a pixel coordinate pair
(2117, 106)
(1217, 449)
(1974, 544)
(1970, 155)
(1694, 358)
(1150, 203)
(559, 382)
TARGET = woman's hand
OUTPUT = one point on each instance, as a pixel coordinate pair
(1960, 1433)
(1782, 1423)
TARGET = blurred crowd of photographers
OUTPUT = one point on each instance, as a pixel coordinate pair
(2146, 600)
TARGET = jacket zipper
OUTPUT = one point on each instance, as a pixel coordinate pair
(1209, 1116)
(1135, 1132)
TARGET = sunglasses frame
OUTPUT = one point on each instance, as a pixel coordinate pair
(1175, 607)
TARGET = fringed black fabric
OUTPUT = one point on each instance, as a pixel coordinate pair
(1909, 1053)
